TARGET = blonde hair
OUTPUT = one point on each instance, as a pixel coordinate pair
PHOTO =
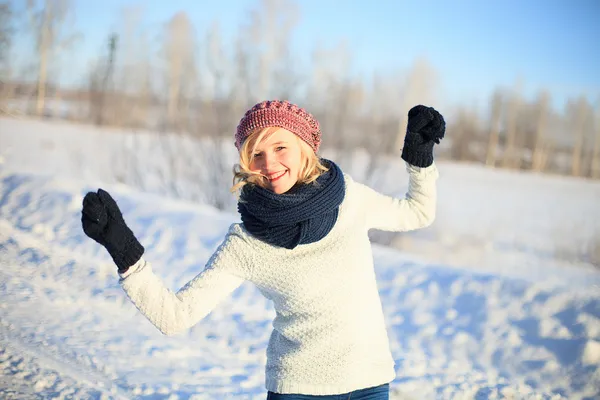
(311, 168)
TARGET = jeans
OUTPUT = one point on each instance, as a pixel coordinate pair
(381, 392)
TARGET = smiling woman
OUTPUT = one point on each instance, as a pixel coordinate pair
(303, 241)
(276, 159)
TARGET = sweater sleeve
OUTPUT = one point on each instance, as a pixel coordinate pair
(416, 210)
(172, 312)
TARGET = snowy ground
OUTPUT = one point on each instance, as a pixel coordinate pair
(477, 311)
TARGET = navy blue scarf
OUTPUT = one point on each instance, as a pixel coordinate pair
(304, 214)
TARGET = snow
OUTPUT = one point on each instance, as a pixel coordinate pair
(500, 298)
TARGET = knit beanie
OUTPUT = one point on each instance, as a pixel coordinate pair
(282, 114)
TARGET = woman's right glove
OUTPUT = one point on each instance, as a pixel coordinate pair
(425, 128)
(102, 221)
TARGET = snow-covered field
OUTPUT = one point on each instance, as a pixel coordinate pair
(500, 298)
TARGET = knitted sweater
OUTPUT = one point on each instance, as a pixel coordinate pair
(329, 334)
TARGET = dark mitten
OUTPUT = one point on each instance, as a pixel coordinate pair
(425, 128)
(102, 221)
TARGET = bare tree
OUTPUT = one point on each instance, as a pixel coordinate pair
(577, 113)
(6, 35)
(541, 146)
(351, 95)
(101, 82)
(47, 22)
(6, 30)
(377, 115)
(495, 119)
(329, 81)
(219, 92)
(465, 128)
(218, 74)
(130, 96)
(266, 38)
(587, 152)
(595, 168)
(241, 91)
(384, 96)
(420, 80)
(512, 158)
(142, 109)
(179, 51)
(143, 83)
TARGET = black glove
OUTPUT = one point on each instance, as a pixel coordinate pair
(425, 128)
(102, 221)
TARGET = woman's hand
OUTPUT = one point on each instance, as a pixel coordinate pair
(426, 127)
(103, 221)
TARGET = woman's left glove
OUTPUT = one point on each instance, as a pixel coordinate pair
(102, 221)
(425, 128)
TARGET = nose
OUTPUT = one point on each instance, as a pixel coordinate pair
(269, 160)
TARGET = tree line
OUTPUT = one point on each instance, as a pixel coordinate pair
(191, 80)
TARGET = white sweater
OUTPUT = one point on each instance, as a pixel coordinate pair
(329, 334)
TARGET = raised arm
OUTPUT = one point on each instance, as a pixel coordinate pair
(417, 209)
(170, 312)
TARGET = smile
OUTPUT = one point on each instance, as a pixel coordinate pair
(276, 176)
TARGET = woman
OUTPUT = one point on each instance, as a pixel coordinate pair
(303, 241)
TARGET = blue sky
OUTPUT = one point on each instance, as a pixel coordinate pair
(474, 46)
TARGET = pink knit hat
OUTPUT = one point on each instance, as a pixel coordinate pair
(282, 114)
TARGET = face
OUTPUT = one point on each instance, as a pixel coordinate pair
(279, 159)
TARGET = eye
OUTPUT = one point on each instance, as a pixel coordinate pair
(256, 155)
(280, 148)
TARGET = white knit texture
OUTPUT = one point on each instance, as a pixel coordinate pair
(329, 333)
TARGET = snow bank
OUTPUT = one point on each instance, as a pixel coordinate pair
(68, 330)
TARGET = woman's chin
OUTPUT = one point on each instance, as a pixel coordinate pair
(279, 189)
(282, 186)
